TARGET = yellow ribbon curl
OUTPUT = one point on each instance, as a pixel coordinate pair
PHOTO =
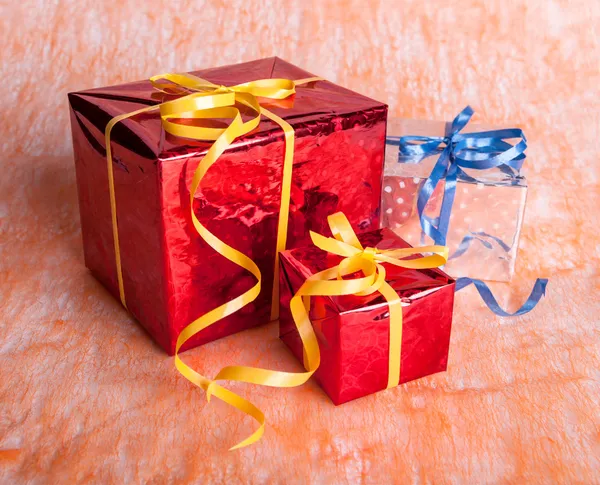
(210, 101)
(330, 282)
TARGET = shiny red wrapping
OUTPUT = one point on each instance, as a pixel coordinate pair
(354, 331)
(171, 276)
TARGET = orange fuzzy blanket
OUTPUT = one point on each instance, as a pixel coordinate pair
(86, 397)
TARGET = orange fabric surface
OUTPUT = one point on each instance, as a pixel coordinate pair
(87, 397)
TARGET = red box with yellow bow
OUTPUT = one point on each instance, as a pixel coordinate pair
(189, 184)
(373, 311)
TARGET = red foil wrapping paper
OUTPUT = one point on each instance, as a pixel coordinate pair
(353, 331)
(171, 276)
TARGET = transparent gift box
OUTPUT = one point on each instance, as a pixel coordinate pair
(486, 217)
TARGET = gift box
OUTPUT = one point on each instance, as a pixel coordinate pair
(487, 211)
(170, 274)
(353, 331)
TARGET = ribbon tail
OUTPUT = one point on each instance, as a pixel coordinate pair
(235, 129)
(248, 408)
(538, 291)
(299, 307)
(226, 396)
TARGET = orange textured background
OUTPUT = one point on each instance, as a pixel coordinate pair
(86, 397)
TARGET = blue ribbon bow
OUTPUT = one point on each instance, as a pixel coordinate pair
(458, 151)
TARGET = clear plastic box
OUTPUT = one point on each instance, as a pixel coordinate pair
(486, 218)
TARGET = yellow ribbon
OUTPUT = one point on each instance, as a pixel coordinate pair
(330, 282)
(210, 101)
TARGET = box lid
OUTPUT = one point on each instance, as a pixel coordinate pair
(312, 103)
(410, 284)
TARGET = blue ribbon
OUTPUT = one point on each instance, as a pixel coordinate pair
(481, 237)
(538, 291)
(458, 151)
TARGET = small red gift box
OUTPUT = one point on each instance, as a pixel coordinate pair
(353, 332)
(170, 275)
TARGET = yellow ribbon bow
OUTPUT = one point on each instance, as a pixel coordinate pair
(330, 282)
(207, 100)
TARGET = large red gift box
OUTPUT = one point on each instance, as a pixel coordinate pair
(170, 275)
(353, 332)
